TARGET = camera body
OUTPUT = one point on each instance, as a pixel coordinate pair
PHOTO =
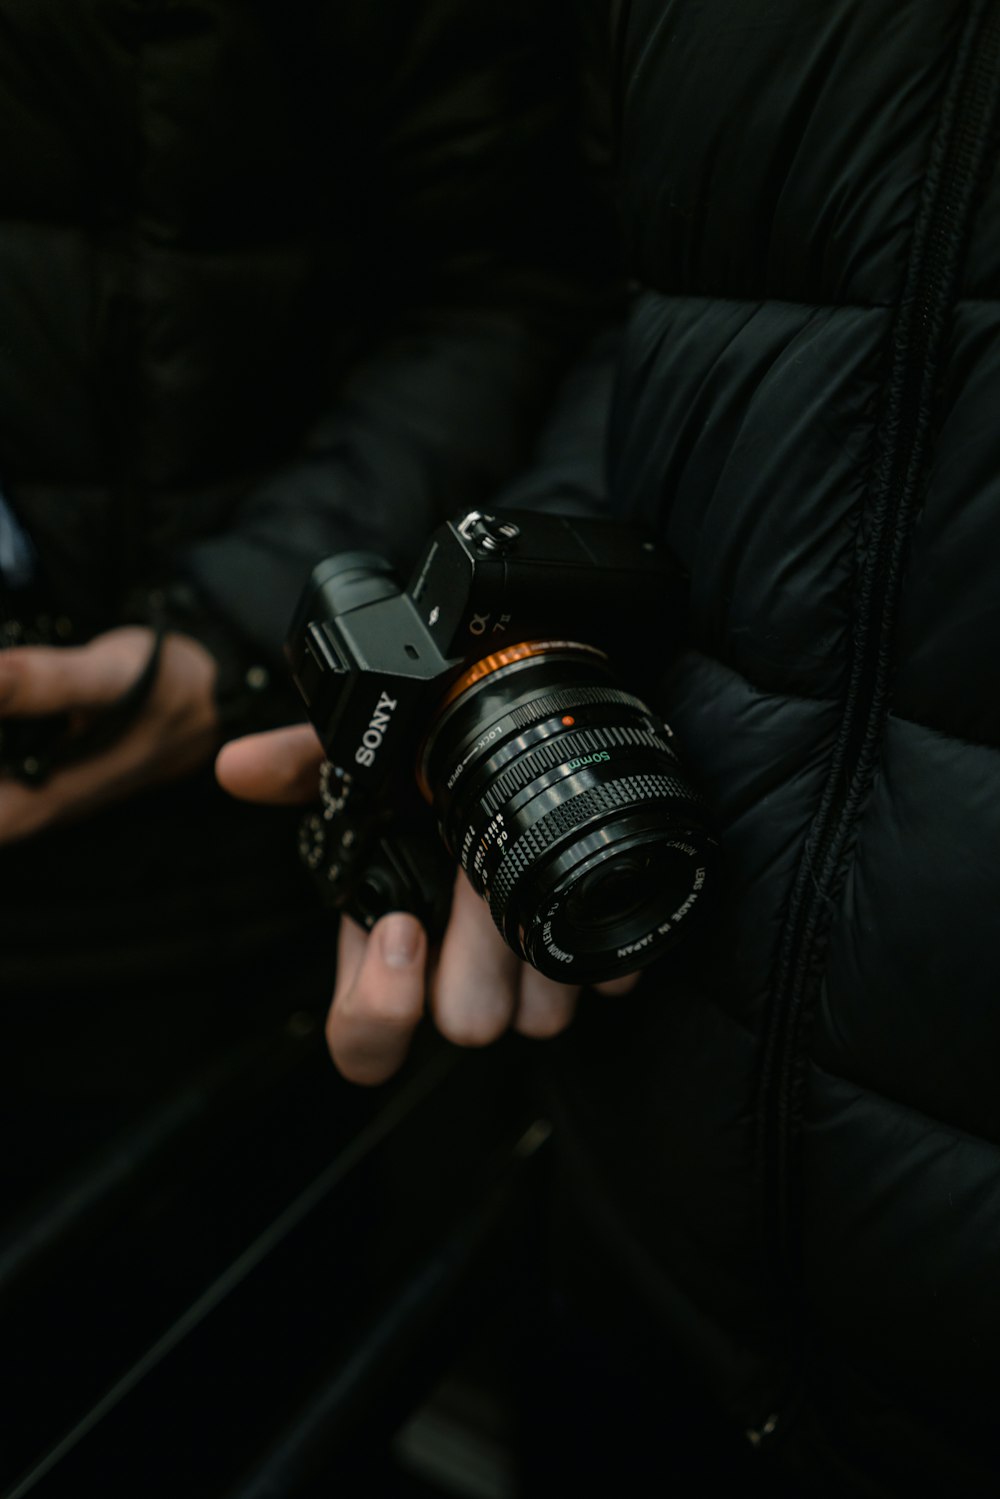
(487, 678)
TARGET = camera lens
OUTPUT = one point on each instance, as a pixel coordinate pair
(563, 799)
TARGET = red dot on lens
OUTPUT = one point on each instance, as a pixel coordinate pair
(569, 720)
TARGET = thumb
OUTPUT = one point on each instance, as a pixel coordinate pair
(280, 766)
(36, 680)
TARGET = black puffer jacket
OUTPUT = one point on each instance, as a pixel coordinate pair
(269, 285)
(229, 242)
(809, 1152)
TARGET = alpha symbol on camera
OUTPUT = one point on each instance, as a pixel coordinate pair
(479, 623)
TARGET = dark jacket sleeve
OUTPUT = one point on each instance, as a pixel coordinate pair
(487, 245)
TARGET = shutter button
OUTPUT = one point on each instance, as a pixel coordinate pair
(492, 535)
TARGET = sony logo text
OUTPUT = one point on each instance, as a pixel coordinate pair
(371, 739)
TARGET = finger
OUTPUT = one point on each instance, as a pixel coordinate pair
(36, 680)
(379, 999)
(78, 789)
(352, 944)
(280, 767)
(475, 989)
(545, 1007)
(23, 811)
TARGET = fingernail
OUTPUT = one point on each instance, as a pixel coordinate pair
(399, 938)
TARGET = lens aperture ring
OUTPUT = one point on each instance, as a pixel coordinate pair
(628, 793)
(554, 703)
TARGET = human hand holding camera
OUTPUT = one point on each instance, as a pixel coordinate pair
(582, 846)
(174, 731)
(475, 987)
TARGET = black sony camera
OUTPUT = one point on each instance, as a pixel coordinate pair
(485, 690)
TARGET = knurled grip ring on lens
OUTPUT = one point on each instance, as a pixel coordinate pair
(629, 793)
(572, 697)
(567, 746)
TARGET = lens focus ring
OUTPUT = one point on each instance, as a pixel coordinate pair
(625, 793)
(547, 756)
